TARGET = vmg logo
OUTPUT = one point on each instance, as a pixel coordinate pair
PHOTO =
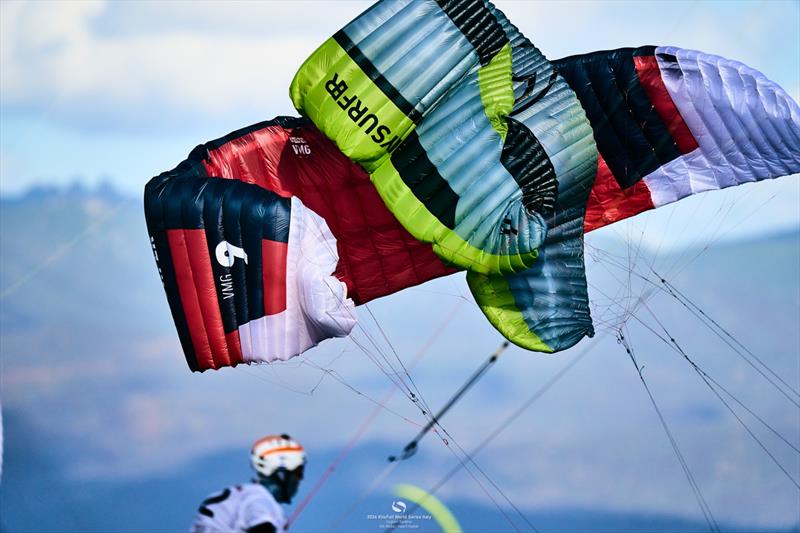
(227, 253)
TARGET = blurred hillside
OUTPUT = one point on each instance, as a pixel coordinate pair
(106, 429)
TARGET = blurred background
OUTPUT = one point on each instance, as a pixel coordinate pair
(105, 428)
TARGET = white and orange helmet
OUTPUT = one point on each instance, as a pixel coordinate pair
(276, 451)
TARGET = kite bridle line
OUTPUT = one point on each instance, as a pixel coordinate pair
(367, 422)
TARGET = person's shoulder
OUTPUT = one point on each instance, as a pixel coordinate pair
(229, 496)
(261, 505)
(218, 495)
(254, 489)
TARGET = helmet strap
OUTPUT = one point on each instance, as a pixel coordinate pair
(279, 484)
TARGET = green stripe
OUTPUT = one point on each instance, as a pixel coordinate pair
(364, 123)
(430, 503)
(477, 24)
(423, 179)
(497, 91)
(447, 244)
(493, 295)
(376, 76)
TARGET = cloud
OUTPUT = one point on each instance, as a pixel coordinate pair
(57, 63)
(315, 18)
(156, 66)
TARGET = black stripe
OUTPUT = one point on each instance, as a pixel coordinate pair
(240, 213)
(194, 202)
(377, 78)
(421, 176)
(211, 501)
(526, 160)
(629, 133)
(242, 216)
(527, 99)
(154, 209)
(167, 271)
(670, 58)
(221, 223)
(478, 25)
(646, 50)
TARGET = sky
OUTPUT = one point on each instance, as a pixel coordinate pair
(95, 91)
(119, 91)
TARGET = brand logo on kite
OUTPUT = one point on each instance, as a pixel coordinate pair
(399, 506)
(359, 113)
(300, 146)
(155, 254)
(227, 253)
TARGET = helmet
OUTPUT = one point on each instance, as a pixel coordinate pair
(276, 451)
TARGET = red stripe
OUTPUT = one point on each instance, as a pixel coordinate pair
(198, 293)
(191, 307)
(339, 191)
(255, 158)
(207, 294)
(273, 257)
(234, 347)
(653, 84)
(609, 203)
